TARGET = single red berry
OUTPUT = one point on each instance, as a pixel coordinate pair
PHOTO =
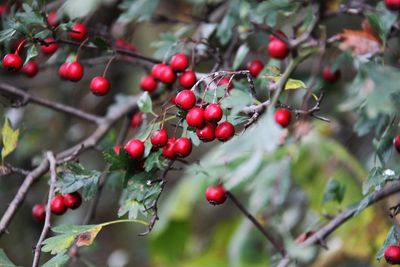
(3, 9)
(121, 43)
(179, 62)
(99, 85)
(168, 151)
(63, 70)
(49, 47)
(392, 254)
(255, 67)
(75, 71)
(330, 76)
(185, 99)
(172, 99)
(78, 31)
(156, 70)
(117, 149)
(30, 68)
(137, 120)
(225, 82)
(188, 79)
(224, 131)
(159, 138)
(397, 143)
(216, 195)
(195, 117)
(57, 205)
(12, 62)
(52, 19)
(392, 4)
(148, 83)
(39, 212)
(278, 49)
(167, 75)
(213, 113)
(135, 148)
(73, 200)
(183, 147)
(283, 117)
(207, 133)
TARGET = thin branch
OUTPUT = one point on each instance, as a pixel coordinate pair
(26, 97)
(279, 247)
(46, 226)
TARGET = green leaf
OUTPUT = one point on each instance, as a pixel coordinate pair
(76, 177)
(119, 161)
(5, 261)
(100, 43)
(57, 261)
(240, 55)
(377, 178)
(155, 160)
(291, 84)
(334, 191)
(145, 104)
(393, 238)
(7, 34)
(137, 10)
(225, 28)
(31, 53)
(236, 101)
(382, 20)
(9, 138)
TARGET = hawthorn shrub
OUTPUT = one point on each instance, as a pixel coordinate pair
(122, 121)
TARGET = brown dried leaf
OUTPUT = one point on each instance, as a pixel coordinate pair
(86, 238)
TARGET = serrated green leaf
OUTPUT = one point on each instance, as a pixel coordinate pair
(145, 104)
(9, 138)
(154, 160)
(119, 161)
(57, 261)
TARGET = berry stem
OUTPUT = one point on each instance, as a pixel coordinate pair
(20, 46)
(108, 64)
(80, 48)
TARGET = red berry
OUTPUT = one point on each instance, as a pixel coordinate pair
(73, 200)
(3, 9)
(185, 99)
(135, 148)
(168, 151)
(137, 120)
(195, 117)
(156, 71)
(393, 4)
(52, 18)
(117, 149)
(397, 143)
(278, 49)
(49, 47)
(75, 71)
(12, 62)
(159, 138)
(30, 68)
(392, 254)
(172, 99)
(216, 195)
(63, 70)
(329, 76)
(187, 79)
(224, 131)
(179, 62)
(148, 83)
(207, 133)
(283, 117)
(121, 43)
(213, 113)
(39, 212)
(78, 31)
(225, 82)
(57, 205)
(99, 85)
(255, 67)
(167, 75)
(183, 147)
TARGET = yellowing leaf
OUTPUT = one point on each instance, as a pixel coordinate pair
(86, 238)
(10, 139)
(332, 5)
(291, 84)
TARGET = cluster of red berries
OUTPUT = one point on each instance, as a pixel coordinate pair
(167, 74)
(392, 255)
(393, 4)
(58, 205)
